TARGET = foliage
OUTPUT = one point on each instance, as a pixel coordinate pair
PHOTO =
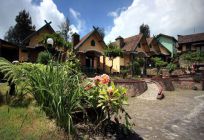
(136, 68)
(144, 29)
(124, 71)
(111, 99)
(112, 51)
(72, 61)
(100, 31)
(58, 41)
(158, 62)
(141, 61)
(104, 94)
(44, 57)
(22, 29)
(65, 30)
(193, 56)
(11, 72)
(171, 67)
(57, 90)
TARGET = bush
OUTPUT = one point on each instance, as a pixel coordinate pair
(124, 71)
(171, 67)
(159, 63)
(44, 57)
(141, 62)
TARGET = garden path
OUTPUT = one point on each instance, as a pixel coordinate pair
(179, 116)
(151, 92)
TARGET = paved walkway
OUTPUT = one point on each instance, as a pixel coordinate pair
(179, 116)
(151, 92)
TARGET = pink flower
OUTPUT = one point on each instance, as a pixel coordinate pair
(97, 80)
(88, 87)
(105, 79)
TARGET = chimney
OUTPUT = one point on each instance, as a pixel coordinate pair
(75, 39)
(120, 41)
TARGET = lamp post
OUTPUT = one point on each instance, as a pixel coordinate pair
(50, 41)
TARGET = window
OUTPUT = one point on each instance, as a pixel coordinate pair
(93, 43)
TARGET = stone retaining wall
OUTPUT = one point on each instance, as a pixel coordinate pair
(187, 84)
(166, 83)
(135, 87)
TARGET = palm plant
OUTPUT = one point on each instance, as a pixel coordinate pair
(10, 73)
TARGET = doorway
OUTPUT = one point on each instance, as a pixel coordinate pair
(89, 62)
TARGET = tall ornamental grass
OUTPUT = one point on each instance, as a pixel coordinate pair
(57, 90)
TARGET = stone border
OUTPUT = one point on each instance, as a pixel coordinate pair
(134, 87)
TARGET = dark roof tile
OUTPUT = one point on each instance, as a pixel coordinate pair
(190, 38)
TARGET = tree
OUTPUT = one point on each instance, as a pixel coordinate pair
(112, 51)
(144, 29)
(65, 30)
(193, 57)
(59, 44)
(101, 31)
(158, 62)
(16, 34)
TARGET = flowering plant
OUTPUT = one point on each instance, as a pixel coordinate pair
(101, 93)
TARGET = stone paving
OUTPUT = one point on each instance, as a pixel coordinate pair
(179, 116)
(151, 92)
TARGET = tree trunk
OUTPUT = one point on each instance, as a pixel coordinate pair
(111, 67)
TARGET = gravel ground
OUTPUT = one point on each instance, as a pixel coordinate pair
(180, 116)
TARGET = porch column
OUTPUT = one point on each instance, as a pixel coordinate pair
(145, 67)
(104, 63)
(132, 58)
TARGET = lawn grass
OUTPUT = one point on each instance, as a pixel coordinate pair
(30, 123)
(26, 123)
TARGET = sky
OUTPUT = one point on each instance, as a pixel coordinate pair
(117, 17)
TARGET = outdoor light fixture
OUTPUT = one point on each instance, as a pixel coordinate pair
(50, 41)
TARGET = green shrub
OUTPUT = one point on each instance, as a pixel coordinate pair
(124, 71)
(44, 57)
(136, 68)
(171, 67)
(159, 63)
(141, 62)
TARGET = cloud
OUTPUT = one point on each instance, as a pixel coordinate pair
(116, 12)
(45, 10)
(80, 24)
(163, 16)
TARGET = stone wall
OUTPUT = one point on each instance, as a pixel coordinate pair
(166, 83)
(135, 87)
(187, 83)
